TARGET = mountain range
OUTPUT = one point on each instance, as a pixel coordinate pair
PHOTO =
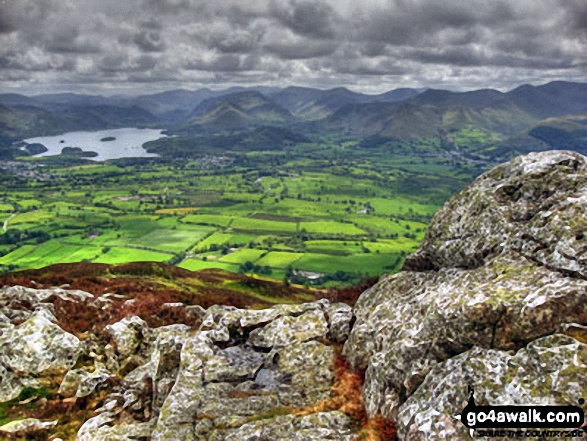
(528, 117)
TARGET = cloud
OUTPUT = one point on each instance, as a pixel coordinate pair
(372, 45)
(149, 41)
(314, 19)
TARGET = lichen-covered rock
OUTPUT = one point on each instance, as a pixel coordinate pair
(128, 335)
(534, 204)
(550, 370)
(100, 428)
(410, 322)
(39, 346)
(26, 428)
(320, 426)
(340, 317)
(244, 364)
(286, 330)
(501, 266)
(10, 385)
(83, 382)
(235, 363)
(18, 303)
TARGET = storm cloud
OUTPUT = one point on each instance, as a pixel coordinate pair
(370, 46)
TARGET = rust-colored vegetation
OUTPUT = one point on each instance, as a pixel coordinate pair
(347, 397)
(44, 404)
(144, 289)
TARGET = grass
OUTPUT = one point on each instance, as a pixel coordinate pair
(32, 217)
(197, 264)
(263, 225)
(335, 247)
(123, 255)
(208, 219)
(29, 256)
(367, 263)
(220, 239)
(243, 255)
(172, 240)
(279, 259)
(16, 255)
(304, 213)
(337, 228)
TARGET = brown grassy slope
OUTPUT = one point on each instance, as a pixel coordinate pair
(149, 286)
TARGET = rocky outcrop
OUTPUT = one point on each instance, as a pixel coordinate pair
(245, 366)
(29, 427)
(242, 373)
(503, 265)
(32, 345)
(549, 370)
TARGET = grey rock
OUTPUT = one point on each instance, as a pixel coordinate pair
(243, 364)
(501, 267)
(319, 426)
(83, 382)
(534, 204)
(340, 316)
(39, 346)
(549, 371)
(236, 363)
(287, 330)
(26, 428)
(101, 428)
(128, 335)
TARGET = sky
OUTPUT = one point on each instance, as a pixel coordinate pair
(371, 46)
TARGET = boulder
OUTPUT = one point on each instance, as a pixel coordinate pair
(246, 365)
(128, 335)
(501, 266)
(28, 427)
(340, 318)
(101, 428)
(549, 371)
(39, 346)
(82, 382)
(534, 204)
(284, 331)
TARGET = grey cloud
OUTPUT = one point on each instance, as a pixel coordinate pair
(309, 18)
(35, 60)
(7, 23)
(372, 44)
(576, 15)
(223, 63)
(299, 50)
(149, 41)
(113, 62)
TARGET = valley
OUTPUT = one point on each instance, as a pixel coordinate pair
(320, 215)
(300, 185)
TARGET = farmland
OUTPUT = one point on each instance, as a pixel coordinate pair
(337, 214)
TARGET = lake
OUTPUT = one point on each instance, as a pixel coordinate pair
(128, 143)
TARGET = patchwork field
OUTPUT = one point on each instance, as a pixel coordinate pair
(340, 218)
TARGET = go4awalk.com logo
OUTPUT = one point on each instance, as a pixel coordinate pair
(542, 422)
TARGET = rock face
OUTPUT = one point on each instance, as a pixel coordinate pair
(502, 269)
(31, 343)
(243, 366)
(242, 374)
(550, 370)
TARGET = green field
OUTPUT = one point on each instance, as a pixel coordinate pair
(345, 214)
(242, 256)
(279, 259)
